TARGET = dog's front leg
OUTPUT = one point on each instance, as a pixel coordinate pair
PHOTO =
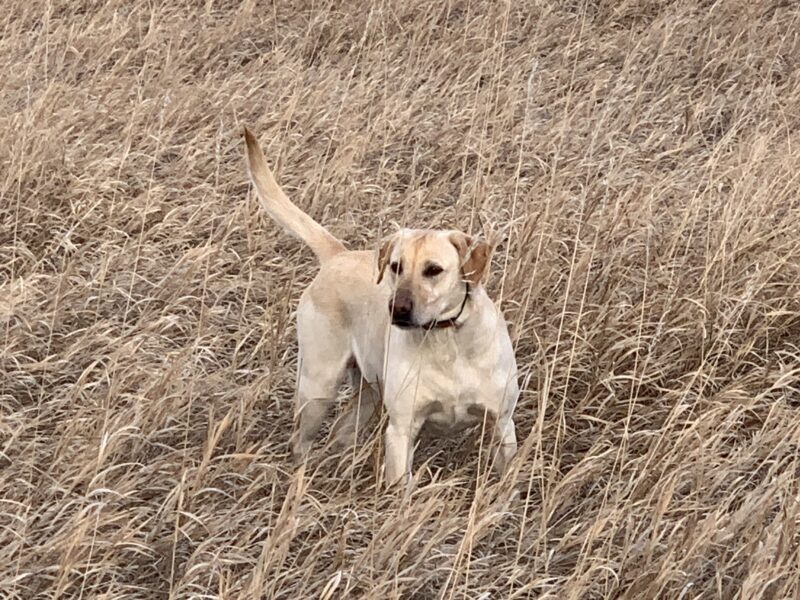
(399, 452)
(506, 439)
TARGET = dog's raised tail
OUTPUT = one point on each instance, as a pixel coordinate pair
(280, 208)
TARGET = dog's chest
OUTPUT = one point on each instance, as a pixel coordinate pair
(455, 393)
(448, 416)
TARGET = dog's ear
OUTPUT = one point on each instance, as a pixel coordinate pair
(384, 253)
(474, 255)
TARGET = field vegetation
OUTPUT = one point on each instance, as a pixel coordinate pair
(637, 164)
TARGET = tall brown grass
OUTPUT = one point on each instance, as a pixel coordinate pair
(638, 163)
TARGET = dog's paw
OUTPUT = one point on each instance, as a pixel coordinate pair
(300, 450)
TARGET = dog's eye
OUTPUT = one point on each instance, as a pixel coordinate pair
(396, 268)
(432, 270)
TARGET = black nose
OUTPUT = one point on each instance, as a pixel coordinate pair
(401, 306)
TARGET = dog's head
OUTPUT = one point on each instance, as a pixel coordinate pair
(429, 272)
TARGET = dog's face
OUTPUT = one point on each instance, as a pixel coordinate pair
(428, 272)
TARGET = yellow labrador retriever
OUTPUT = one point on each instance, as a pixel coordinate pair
(424, 336)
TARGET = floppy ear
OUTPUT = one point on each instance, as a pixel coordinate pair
(474, 256)
(384, 253)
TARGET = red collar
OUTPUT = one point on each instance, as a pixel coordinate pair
(453, 321)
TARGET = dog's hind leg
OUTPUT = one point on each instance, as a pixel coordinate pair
(318, 383)
(324, 355)
(366, 401)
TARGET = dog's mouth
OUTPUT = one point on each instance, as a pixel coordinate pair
(406, 324)
(402, 323)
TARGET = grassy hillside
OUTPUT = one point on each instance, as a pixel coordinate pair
(638, 163)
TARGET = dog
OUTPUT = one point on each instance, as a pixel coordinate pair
(411, 322)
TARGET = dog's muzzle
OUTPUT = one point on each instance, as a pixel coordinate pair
(401, 307)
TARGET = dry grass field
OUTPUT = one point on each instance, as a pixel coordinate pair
(638, 164)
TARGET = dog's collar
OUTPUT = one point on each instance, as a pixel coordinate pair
(453, 321)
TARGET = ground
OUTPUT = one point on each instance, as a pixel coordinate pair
(636, 164)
